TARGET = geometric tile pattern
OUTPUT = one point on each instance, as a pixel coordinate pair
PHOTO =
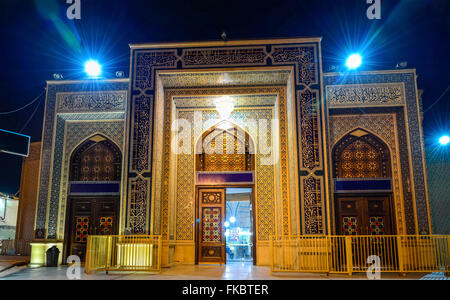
(211, 226)
(219, 159)
(106, 225)
(81, 229)
(350, 225)
(361, 157)
(376, 225)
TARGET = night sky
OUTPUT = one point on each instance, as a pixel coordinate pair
(38, 40)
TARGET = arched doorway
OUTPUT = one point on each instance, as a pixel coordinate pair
(362, 185)
(225, 218)
(94, 189)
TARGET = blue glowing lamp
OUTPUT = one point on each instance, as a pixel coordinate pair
(354, 61)
(444, 140)
(93, 68)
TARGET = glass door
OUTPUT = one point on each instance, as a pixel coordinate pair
(239, 225)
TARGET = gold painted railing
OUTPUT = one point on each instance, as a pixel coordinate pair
(349, 254)
(123, 253)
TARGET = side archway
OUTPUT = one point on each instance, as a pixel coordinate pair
(363, 185)
(93, 194)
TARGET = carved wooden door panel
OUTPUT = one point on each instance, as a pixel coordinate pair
(364, 215)
(210, 233)
(81, 226)
(350, 216)
(378, 216)
(91, 216)
(106, 217)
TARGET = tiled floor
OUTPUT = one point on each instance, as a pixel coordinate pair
(7, 262)
(232, 271)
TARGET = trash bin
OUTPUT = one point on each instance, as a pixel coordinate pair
(52, 256)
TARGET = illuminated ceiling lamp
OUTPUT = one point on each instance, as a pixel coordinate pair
(224, 106)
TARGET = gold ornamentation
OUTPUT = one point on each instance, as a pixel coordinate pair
(303, 56)
(383, 126)
(230, 56)
(378, 94)
(313, 205)
(264, 175)
(308, 118)
(361, 157)
(142, 133)
(76, 133)
(147, 61)
(138, 205)
(91, 101)
(211, 198)
(223, 161)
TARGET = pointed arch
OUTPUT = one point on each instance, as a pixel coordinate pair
(225, 147)
(96, 159)
(361, 154)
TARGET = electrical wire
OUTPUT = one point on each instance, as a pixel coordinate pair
(23, 107)
(31, 117)
(432, 105)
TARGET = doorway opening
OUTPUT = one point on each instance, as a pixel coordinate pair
(239, 225)
(225, 225)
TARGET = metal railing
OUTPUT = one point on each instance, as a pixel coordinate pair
(350, 254)
(123, 253)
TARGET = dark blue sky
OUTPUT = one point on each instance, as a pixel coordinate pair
(38, 40)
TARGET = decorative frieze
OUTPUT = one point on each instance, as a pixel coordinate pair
(91, 101)
(379, 94)
(225, 56)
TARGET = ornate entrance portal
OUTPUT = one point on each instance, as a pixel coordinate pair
(276, 89)
(225, 157)
(93, 194)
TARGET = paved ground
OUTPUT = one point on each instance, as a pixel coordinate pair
(7, 262)
(232, 271)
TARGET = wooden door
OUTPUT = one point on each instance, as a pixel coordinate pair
(364, 215)
(210, 233)
(91, 216)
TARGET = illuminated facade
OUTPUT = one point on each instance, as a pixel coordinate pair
(313, 153)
